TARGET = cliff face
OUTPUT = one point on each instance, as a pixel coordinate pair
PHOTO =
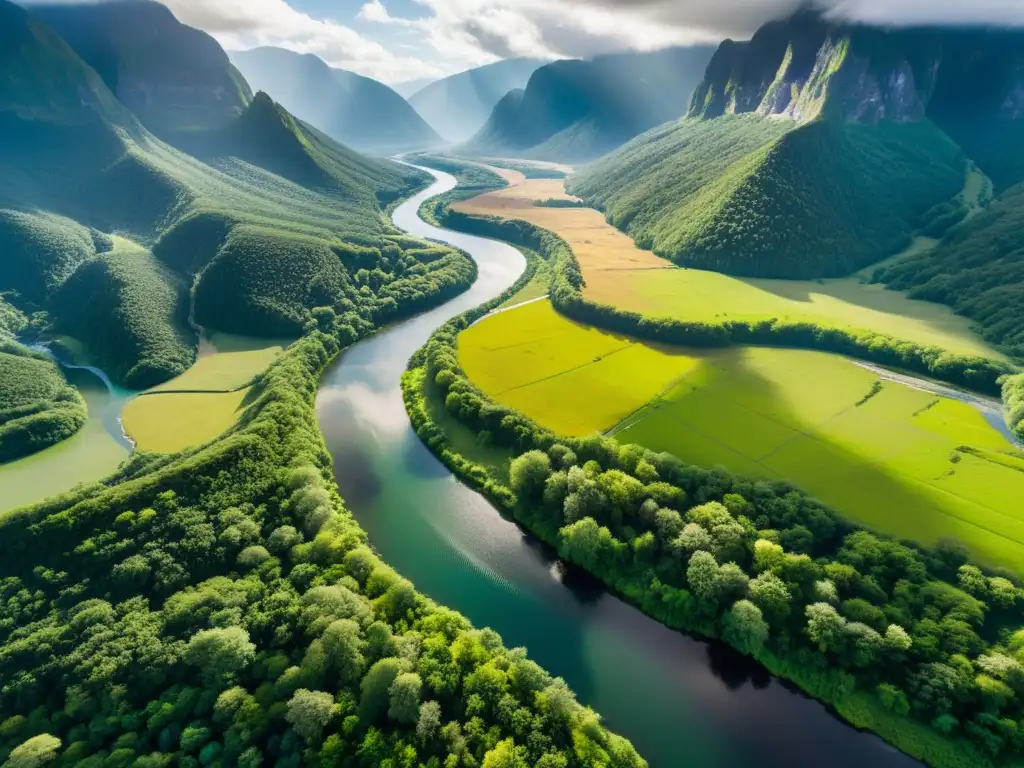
(173, 77)
(806, 66)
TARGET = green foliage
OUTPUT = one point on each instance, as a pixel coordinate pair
(131, 312)
(38, 408)
(978, 269)
(41, 251)
(760, 198)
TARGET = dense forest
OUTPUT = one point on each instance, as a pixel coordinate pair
(768, 198)
(38, 408)
(916, 644)
(978, 269)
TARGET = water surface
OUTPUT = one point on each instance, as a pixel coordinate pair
(681, 701)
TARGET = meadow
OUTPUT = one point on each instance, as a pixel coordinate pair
(894, 458)
(620, 274)
(225, 363)
(173, 421)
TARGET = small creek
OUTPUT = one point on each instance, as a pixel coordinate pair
(681, 701)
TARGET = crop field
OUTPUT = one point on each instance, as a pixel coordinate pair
(225, 363)
(620, 274)
(903, 461)
(571, 378)
(173, 421)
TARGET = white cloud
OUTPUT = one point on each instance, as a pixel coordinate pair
(240, 24)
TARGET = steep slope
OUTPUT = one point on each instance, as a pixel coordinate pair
(816, 148)
(173, 77)
(76, 166)
(578, 110)
(458, 106)
(352, 109)
(978, 269)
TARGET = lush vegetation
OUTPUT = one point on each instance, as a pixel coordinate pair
(977, 373)
(170, 422)
(579, 110)
(355, 110)
(131, 312)
(750, 196)
(38, 408)
(886, 631)
(978, 269)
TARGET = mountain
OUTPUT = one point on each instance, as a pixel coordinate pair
(407, 88)
(459, 105)
(172, 77)
(578, 110)
(352, 109)
(817, 148)
(107, 228)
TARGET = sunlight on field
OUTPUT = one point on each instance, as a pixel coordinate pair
(573, 379)
(225, 363)
(622, 275)
(903, 461)
(172, 422)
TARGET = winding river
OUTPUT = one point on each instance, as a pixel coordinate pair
(681, 701)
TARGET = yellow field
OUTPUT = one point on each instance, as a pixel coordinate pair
(172, 422)
(225, 363)
(905, 461)
(620, 274)
(573, 379)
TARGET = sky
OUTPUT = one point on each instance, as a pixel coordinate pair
(401, 40)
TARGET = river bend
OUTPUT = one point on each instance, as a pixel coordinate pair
(681, 701)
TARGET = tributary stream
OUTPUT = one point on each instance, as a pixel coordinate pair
(681, 701)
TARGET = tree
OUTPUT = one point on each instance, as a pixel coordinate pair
(692, 539)
(220, 653)
(404, 697)
(744, 627)
(768, 556)
(505, 755)
(309, 712)
(343, 649)
(375, 688)
(429, 721)
(825, 627)
(769, 593)
(732, 582)
(529, 473)
(37, 751)
(893, 699)
(702, 575)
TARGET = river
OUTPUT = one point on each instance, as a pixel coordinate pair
(681, 701)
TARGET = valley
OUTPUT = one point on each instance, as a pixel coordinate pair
(623, 396)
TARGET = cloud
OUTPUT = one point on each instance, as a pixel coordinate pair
(241, 24)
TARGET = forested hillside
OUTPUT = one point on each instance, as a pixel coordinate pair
(578, 110)
(457, 106)
(978, 269)
(818, 148)
(77, 165)
(352, 109)
(174, 78)
(38, 408)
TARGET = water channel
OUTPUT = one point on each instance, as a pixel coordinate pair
(681, 701)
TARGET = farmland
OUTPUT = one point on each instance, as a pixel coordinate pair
(894, 458)
(620, 274)
(173, 421)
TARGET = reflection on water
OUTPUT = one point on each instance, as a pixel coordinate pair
(679, 700)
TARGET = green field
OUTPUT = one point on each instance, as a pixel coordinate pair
(173, 421)
(571, 378)
(904, 461)
(225, 363)
(698, 295)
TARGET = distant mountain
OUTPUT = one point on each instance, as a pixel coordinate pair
(459, 105)
(106, 228)
(578, 110)
(817, 148)
(407, 88)
(350, 108)
(173, 77)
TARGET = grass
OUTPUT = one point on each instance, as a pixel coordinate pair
(172, 422)
(229, 364)
(896, 459)
(620, 274)
(571, 378)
